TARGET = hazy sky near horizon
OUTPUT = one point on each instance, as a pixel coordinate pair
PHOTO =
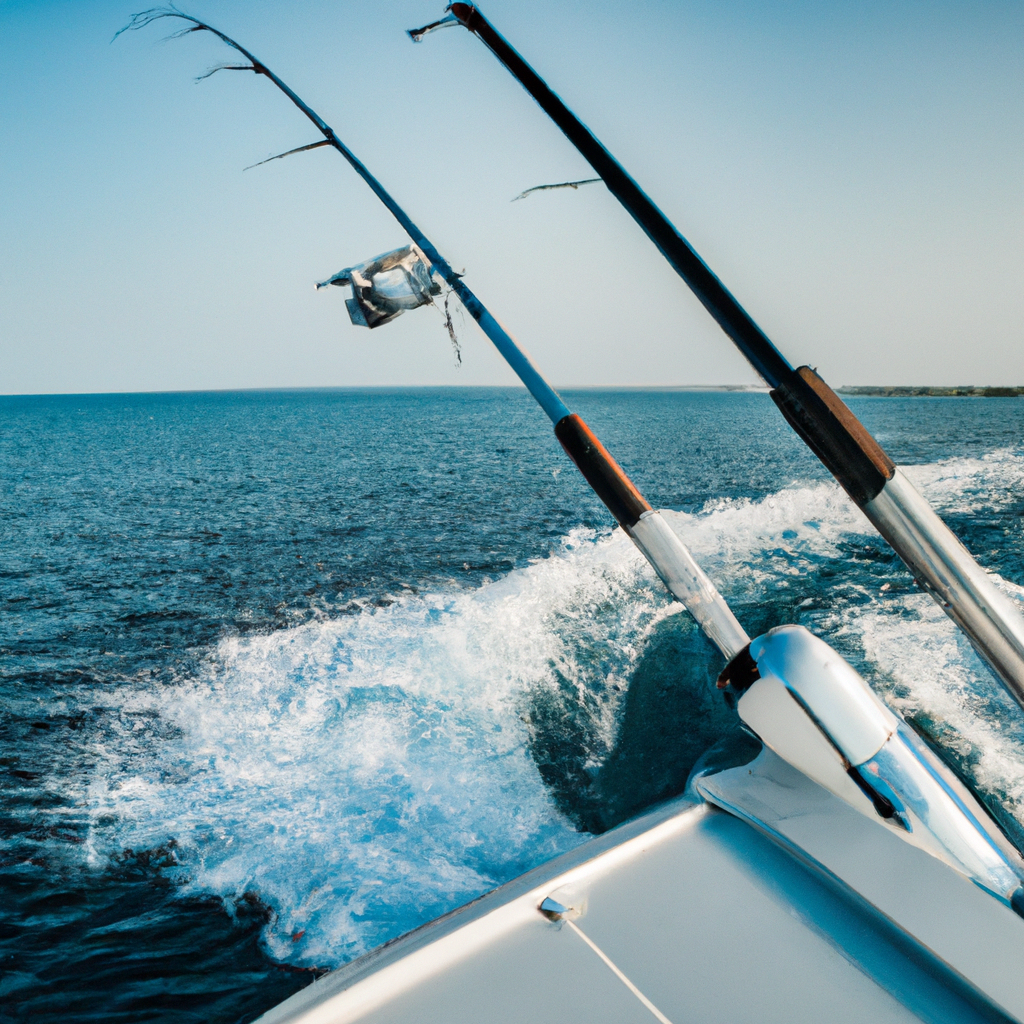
(853, 172)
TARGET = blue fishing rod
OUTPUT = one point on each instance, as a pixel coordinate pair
(930, 550)
(648, 529)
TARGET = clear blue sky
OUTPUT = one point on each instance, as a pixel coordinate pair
(853, 172)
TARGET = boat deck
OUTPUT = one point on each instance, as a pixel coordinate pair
(691, 913)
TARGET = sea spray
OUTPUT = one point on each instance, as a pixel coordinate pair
(365, 773)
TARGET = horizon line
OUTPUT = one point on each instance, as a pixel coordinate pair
(758, 388)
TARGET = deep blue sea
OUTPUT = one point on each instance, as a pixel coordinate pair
(286, 674)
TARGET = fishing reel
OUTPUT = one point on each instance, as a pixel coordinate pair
(812, 708)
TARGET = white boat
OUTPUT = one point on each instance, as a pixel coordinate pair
(757, 897)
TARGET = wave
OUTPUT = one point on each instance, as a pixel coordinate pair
(364, 774)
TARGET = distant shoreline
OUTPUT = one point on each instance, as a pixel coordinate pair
(960, 391)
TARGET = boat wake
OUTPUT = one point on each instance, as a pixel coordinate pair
(362, 774)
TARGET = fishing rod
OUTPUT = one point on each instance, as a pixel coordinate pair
(936, 558)
(789, 687)
(375, 287)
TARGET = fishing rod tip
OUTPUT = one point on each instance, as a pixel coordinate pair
(417, 34)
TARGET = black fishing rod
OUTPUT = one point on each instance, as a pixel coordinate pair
(938, 561)
(659, 544)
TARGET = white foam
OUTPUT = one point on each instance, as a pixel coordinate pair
(367, 773)
(972, 485)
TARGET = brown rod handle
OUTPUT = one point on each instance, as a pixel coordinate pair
(834, 434)
(601, 471)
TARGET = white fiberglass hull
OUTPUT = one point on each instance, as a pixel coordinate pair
(770, 901)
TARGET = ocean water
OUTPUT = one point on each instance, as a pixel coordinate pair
(286, 674)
